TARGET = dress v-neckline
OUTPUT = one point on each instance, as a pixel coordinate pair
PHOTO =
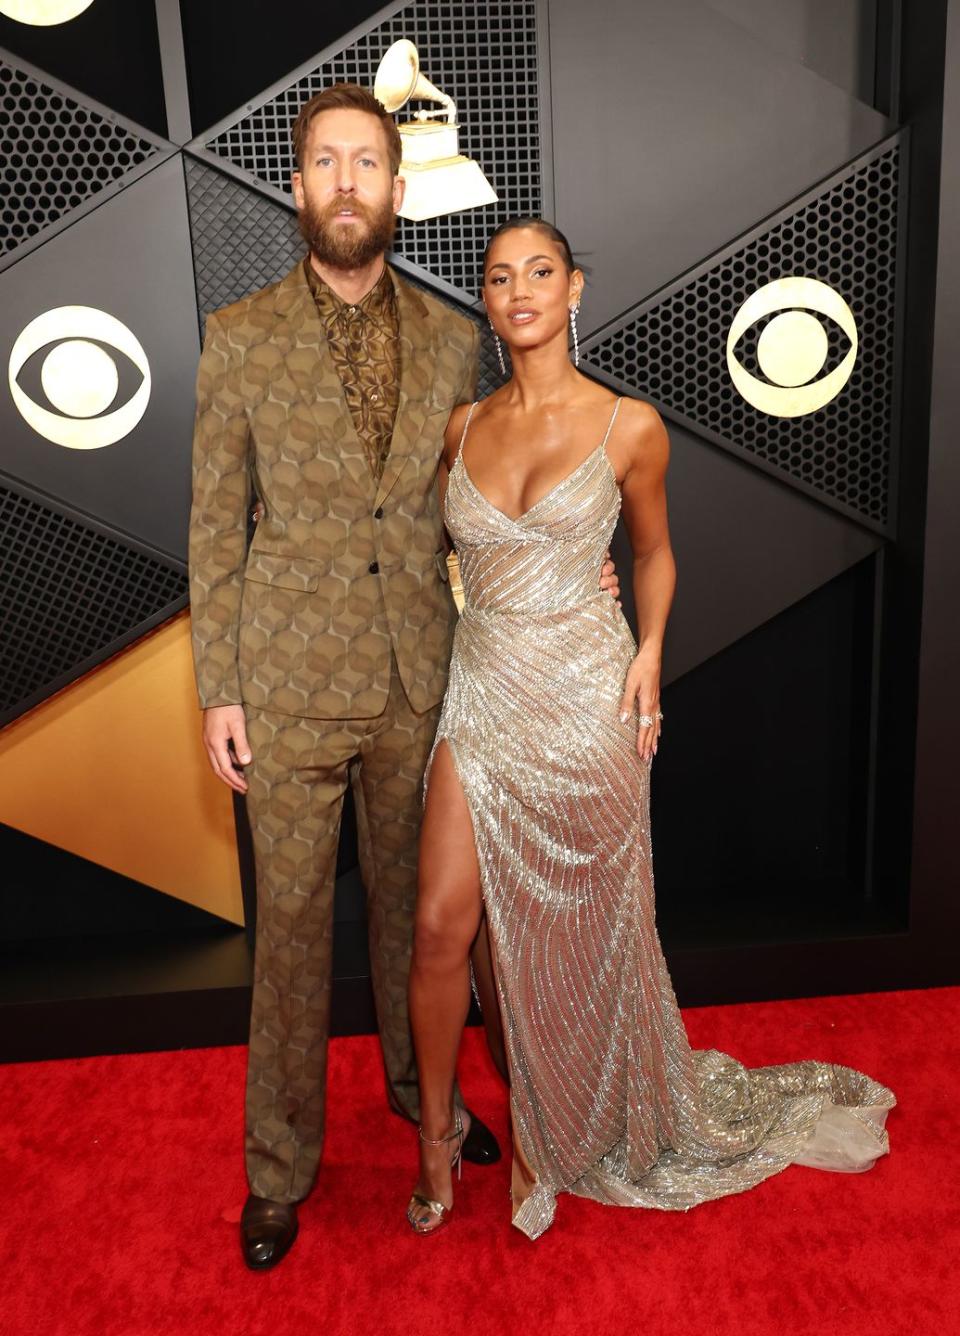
(515, 519)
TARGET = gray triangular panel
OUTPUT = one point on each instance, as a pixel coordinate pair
(746, 548)
(674, 130)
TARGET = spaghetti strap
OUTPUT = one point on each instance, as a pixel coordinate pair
(466, 424)
(613, 418)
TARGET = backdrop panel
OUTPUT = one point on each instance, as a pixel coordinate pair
(129, 258)
(59, 152)
(746, 549)
(675, 130)
(113, 769)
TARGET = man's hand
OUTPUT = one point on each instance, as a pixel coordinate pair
(609, 580)
(223, 724)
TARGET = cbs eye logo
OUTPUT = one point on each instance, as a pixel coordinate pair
(43, 13)
(792, 347)
(79, 377)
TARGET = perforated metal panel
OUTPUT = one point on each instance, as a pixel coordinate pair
(485, 56)
(54, 154)
(672, 349)
(68, 595)
(242, 241)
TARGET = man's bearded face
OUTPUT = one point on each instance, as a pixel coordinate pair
(345, 233)
(346, 189)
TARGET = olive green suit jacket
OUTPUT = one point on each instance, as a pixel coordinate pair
(342, 568)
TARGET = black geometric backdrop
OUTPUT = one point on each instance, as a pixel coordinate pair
(64, 152)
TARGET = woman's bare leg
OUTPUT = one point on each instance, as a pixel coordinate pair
(447, 917)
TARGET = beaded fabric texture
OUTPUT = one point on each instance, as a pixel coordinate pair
(608, 1099)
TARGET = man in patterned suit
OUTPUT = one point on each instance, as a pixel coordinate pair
(321, 654)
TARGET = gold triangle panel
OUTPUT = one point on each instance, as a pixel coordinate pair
(112, 769)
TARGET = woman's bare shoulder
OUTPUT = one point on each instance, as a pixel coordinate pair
(643, 435)
(458, 420)
(454, 430)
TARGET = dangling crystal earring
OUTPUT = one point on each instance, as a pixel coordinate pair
(496, 339)
(576, 341)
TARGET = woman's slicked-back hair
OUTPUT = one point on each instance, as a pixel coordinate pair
(541, 224)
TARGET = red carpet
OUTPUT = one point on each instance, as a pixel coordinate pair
(118, 1172)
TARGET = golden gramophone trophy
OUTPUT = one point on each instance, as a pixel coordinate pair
(439, 179)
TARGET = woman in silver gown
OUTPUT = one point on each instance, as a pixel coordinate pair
(537, 812)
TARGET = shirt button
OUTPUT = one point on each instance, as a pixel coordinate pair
(374, 398)
(352, 310)
(378, 513)
(374, 568)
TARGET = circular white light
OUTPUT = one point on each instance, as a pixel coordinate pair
(792, 348)
(79, 378)
(79, 323)
(43, 13)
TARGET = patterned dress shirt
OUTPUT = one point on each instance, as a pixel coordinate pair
(364, 343)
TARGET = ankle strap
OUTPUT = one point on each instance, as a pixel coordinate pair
(457, 1132)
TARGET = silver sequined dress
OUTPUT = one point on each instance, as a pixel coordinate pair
(607, 1097)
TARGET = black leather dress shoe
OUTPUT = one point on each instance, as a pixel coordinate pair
(267, 1231)
(480, 1145)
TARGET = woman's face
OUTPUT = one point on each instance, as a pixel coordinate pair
(526, 288)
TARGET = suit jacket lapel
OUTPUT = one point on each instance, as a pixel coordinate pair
(300, 337)
(416, 378)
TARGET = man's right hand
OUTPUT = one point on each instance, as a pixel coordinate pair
(223, 724)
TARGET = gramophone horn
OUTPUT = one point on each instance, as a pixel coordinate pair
(399, 79)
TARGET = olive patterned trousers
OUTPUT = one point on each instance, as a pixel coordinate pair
(296, 785)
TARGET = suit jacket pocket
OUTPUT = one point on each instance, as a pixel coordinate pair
(283, 572)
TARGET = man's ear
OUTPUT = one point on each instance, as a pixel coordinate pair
(296, 181)
(399, 188)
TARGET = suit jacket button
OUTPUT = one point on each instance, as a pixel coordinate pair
(378, 513)
(374, 567)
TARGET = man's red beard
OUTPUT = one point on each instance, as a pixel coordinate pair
(347, 245)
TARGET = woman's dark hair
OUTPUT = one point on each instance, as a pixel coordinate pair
(541, 224)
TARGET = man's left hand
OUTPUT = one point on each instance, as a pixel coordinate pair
(609, 581)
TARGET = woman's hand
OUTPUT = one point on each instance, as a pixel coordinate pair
(642, 691)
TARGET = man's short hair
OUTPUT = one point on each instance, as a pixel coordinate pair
(355, 98)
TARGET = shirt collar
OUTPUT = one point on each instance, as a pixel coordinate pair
(378, 306)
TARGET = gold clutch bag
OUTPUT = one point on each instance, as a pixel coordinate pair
(456, 584)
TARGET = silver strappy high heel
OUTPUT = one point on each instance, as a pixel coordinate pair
(425, 1215)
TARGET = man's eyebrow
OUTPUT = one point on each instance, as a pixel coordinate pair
(502, 264)
(332, 148)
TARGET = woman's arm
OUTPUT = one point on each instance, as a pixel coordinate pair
(643, 455)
